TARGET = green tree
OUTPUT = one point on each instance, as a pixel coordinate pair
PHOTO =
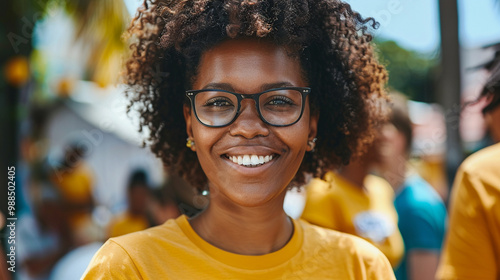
(410, 72)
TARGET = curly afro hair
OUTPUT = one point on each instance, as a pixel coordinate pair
(348, 84)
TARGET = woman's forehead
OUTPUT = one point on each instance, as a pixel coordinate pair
(248, 62)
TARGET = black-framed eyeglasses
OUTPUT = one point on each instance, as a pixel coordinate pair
(277, 107)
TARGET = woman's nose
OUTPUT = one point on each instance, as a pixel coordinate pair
(248, 124)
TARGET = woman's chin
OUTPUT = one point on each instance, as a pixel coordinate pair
(247, 195)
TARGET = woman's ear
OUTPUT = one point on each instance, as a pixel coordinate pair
(189, 128)
(313, 130)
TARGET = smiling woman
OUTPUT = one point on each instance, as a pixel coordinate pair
(252, 85)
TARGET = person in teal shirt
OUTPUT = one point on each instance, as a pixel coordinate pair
(422, 213)
(422, 219)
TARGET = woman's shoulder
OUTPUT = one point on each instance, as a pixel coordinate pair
(134, 252)
(154, 240)
(480, 170)
(168, 232)
(345, 252)
(483, 161)
(342, 244)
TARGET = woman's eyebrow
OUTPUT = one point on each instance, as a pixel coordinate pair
(263, 87)
(276, 85)
(223, 86)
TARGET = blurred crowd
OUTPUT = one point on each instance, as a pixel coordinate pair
(58, 236)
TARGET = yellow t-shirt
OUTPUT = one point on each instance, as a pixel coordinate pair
(174, 251)
(369, 213)
(126, 223)
(472, 247)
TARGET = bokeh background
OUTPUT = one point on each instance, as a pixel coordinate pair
(64, 120)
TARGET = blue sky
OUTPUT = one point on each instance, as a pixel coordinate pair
(414, 24)
(480, 22)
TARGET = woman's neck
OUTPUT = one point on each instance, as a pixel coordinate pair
(244, 230)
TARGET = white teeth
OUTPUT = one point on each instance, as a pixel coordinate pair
(254, 159)
(250, 160)
(246, 160)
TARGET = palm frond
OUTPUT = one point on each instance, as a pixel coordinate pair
(100, 24)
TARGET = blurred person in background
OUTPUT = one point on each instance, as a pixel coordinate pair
(356, 202)
(135, 218)
(472, 245)
(164, 205)
(43, 237)
(421, 211)
(74, 181)
(491, 112)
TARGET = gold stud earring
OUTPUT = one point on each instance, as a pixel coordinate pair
(189, 143)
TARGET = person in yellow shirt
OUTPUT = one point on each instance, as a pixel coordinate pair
(135, 218)
(264, 92)
(74, 180)
(357, 203)
(472, 245)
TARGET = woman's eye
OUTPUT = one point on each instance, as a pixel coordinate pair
(218, 102)
(281, 101)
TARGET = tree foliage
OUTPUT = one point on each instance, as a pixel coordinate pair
(410, 72)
